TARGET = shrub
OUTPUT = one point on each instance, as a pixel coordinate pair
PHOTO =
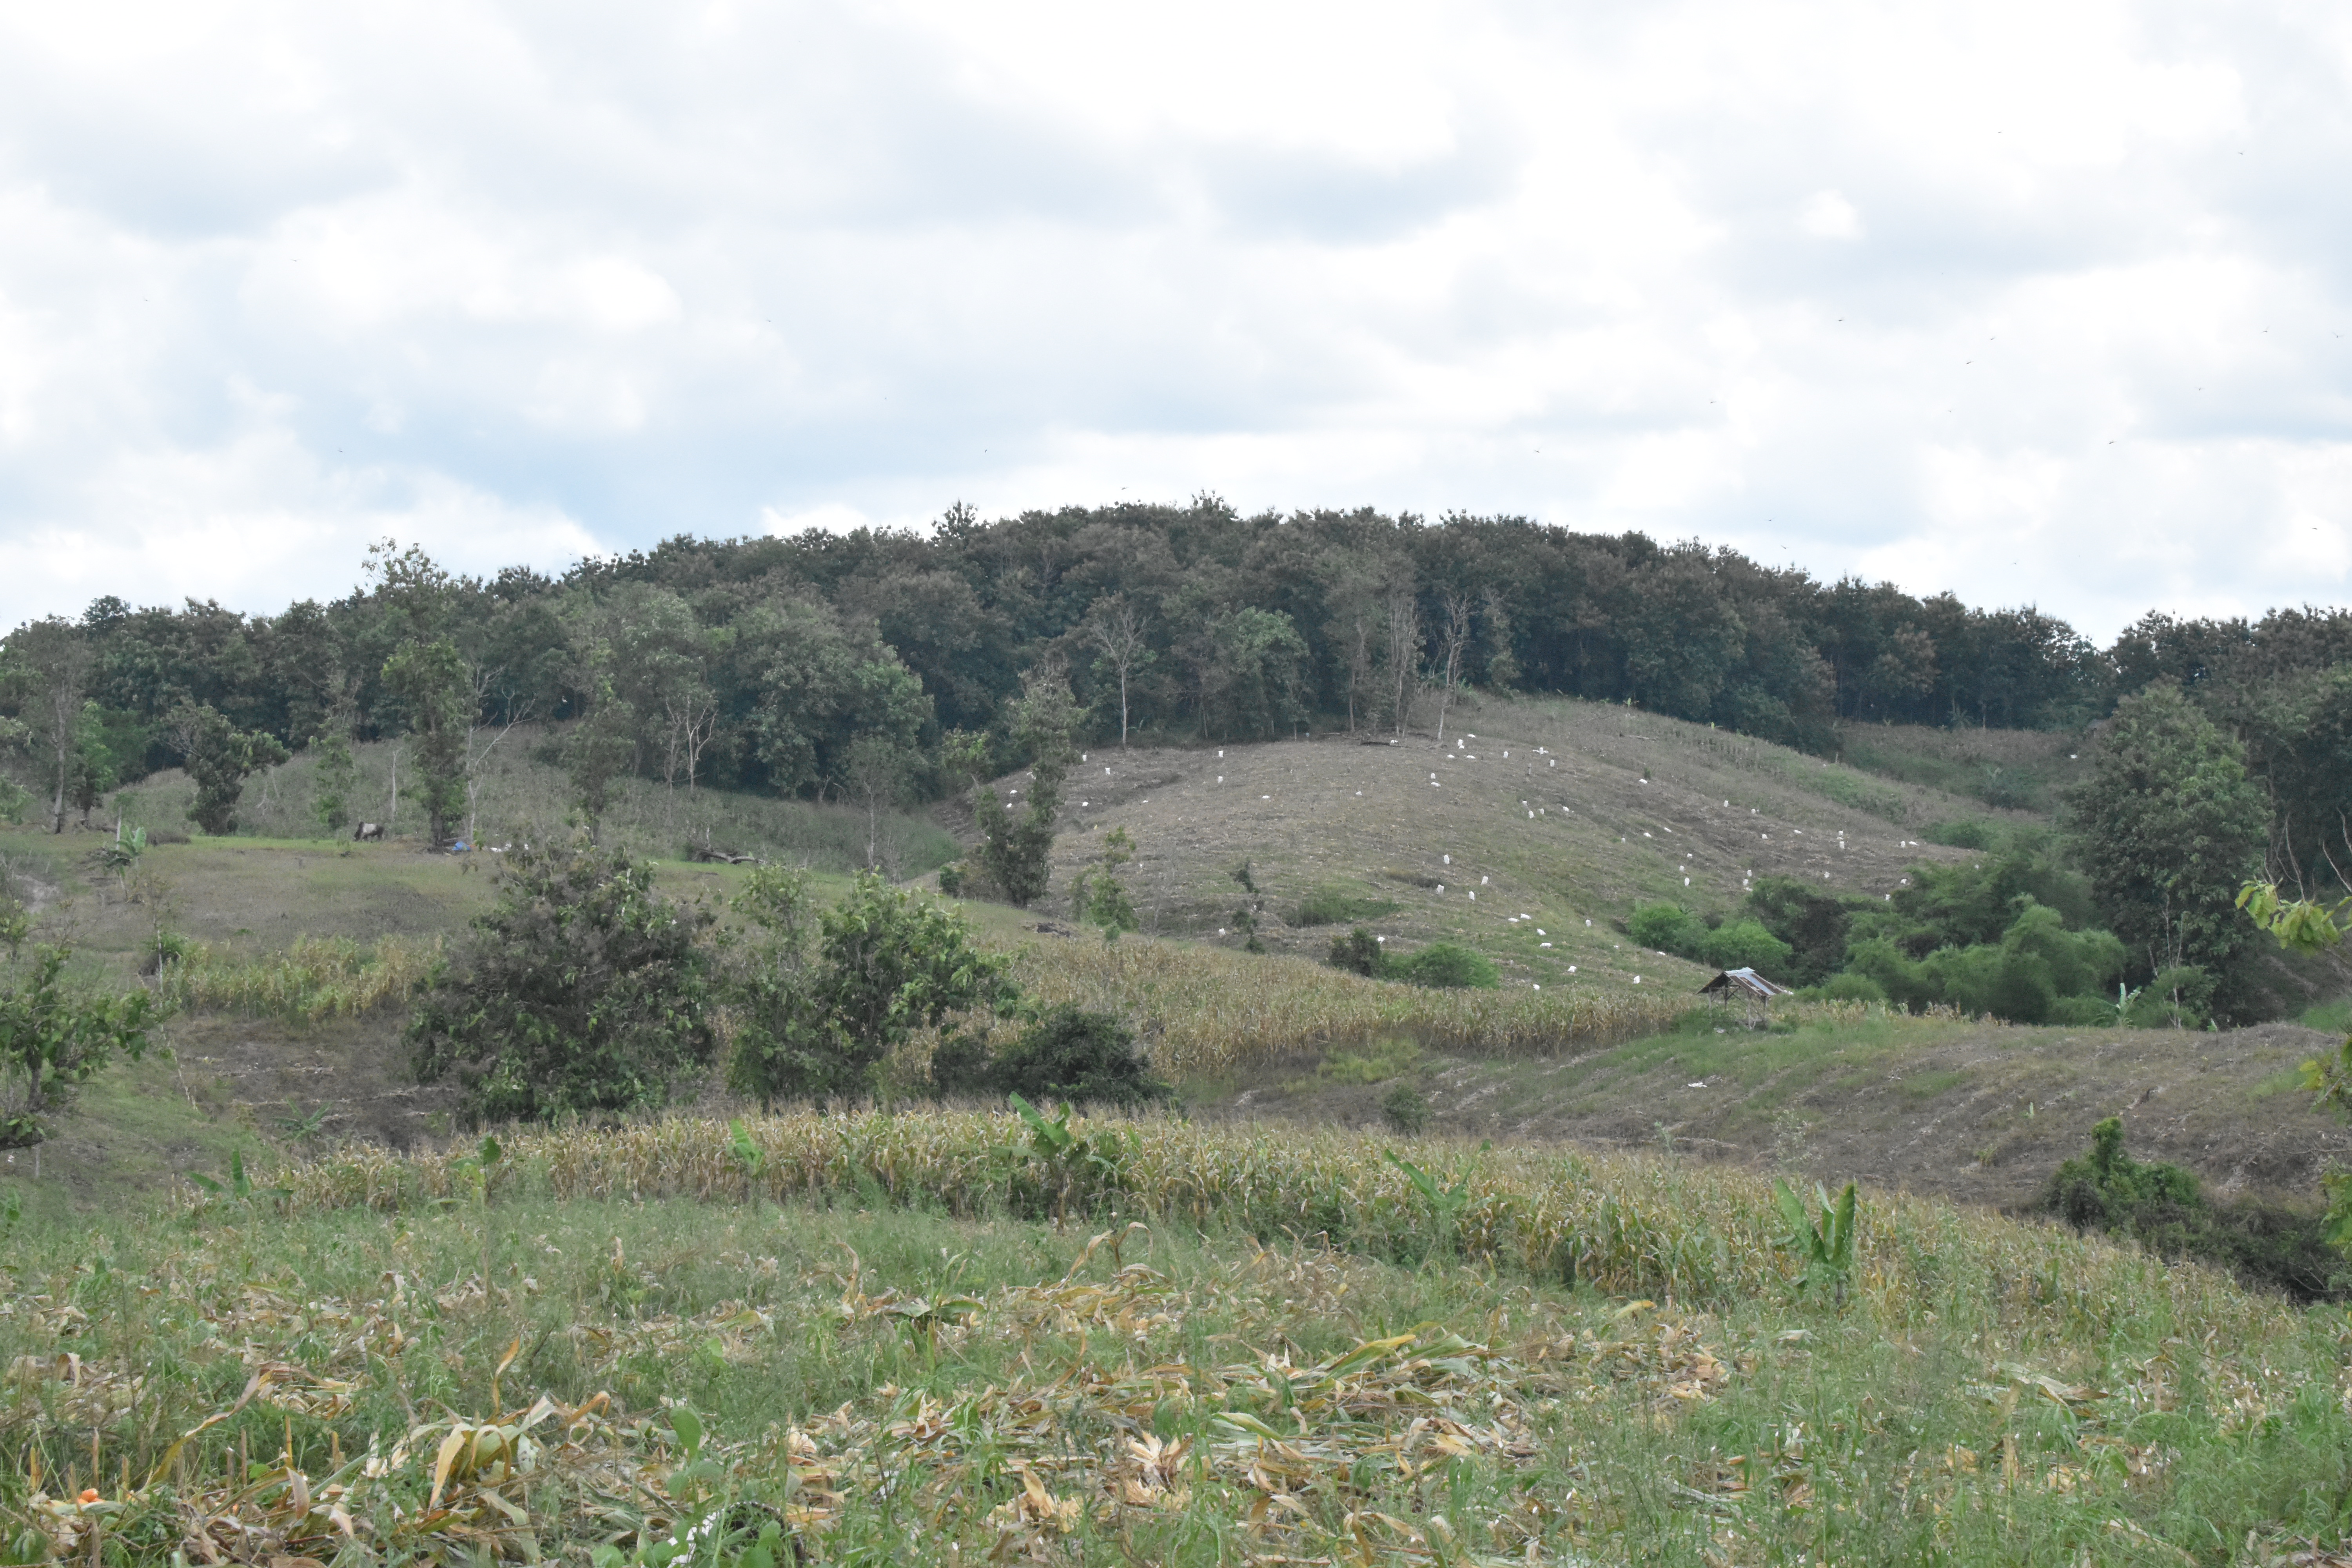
(889, 963)
(1849, 988)
(1975, 834)
(951, 879)
(1359, 953)
(1082, 1056)
(1745, 944)
(2178, 998)
(1447, 966)
(2162, 1208)
(1669, 927)
(582, 992)
(1404, 1109)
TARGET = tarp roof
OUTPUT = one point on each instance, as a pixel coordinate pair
(1744, 982)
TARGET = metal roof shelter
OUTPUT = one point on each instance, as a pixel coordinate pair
(1745, 983)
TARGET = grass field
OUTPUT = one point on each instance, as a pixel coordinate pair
(520, 798)
(908, 1338)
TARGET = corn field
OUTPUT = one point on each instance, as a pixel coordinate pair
(1206, 1010)
(1627, 1225)
(313, 979)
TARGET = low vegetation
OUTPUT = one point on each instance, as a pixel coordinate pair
(867, 1336)
(311, 979)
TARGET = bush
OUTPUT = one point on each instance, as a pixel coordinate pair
(1669, 927)
(582, 992)
(1745, 944)
(951, 879)
(1446, 966)
(1359, 953)
(1404, 1109)
(2162, 1208)
(2178, 998)
(1068, 1053)
(1849, 988)
(1969, 835)
(889, 963)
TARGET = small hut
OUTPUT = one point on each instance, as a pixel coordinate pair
(1748, 987)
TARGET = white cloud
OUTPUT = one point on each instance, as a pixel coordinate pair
(2034, 304)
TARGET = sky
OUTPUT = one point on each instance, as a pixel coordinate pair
(2042, 303)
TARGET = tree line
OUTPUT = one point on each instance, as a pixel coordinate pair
(888, 662)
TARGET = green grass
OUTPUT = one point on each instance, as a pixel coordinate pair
(893, 1379)
(522, 799)
(2329, 1018)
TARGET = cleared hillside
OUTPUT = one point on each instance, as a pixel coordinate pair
(1560, 811)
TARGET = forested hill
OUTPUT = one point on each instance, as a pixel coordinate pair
(755, 662)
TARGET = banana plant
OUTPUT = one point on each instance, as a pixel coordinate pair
(1823, 1245)
(240, 1187)
(1071, 1157)
(1445, 1202)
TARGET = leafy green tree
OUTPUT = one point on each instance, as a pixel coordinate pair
(581, 992)
(219, 757)
(600, 749)
(336, 776)
(51, 663)
(55, 1036)
(93, 770)
(436, 690)
(1097, 895)
(2169, 826)
(889, 963)
(1016, 852)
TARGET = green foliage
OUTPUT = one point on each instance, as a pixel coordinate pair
(1745, 944)
(1073, 1166)
(1404, 1109)
(1068, 1053)
(1970, 834)
(582, 992)
(55, 1036)
(1667, 927)
(436, 693)
(2162, 1208)
(2037, 964)
(2178, 998)
(951, 879)
(2170, 826)
(889, 963)
(598, 751)
(1445, 1201)
(1359, 953)
(1097, 895)
(1016, 851)
(240, 1188)
(1446, 966)
(331, 799)
(1823, 1242)
(218, 757)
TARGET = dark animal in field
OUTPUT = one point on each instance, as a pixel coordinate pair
(367, 830)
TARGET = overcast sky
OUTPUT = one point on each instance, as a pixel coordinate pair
(2040, 302)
